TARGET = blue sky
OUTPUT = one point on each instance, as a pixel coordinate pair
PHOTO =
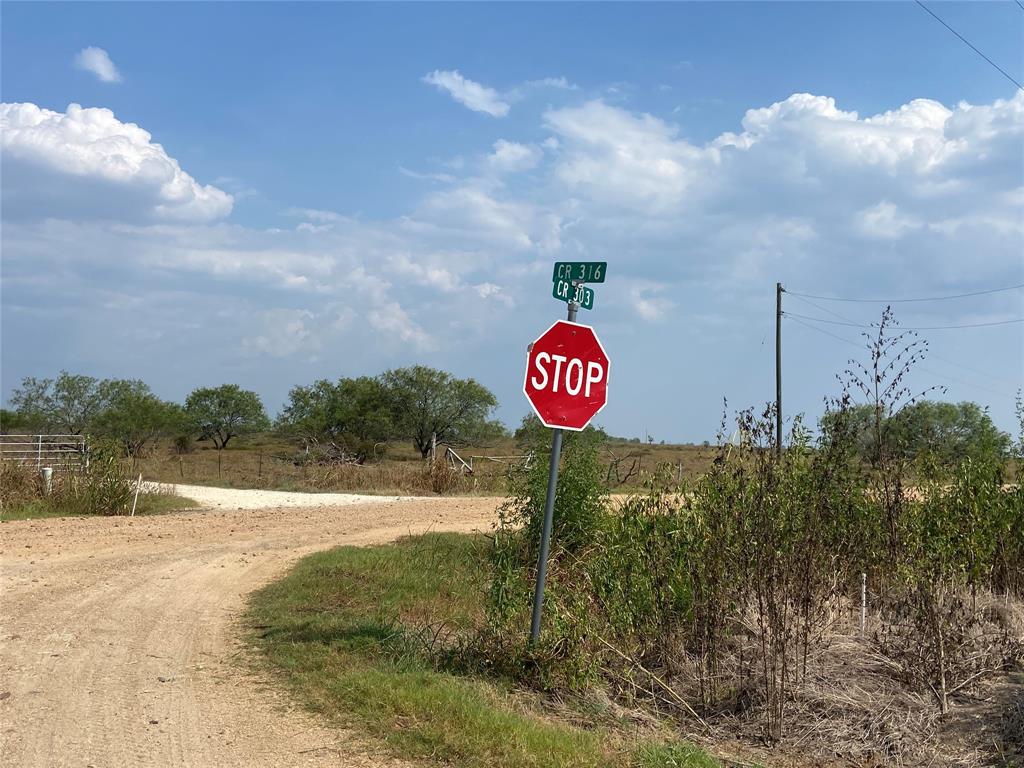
(334, 189)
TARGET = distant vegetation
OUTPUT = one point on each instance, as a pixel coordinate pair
(356, 433)
(343, 419)
(419, 404)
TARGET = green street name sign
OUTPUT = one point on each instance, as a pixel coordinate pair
(580, 271)
(566, 291)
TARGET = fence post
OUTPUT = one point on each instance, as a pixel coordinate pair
(135, 501)
(39, 451)
(863, 601)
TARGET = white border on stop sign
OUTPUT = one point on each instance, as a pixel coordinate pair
(607, 374)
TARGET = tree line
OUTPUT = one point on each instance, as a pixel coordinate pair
(348, 416)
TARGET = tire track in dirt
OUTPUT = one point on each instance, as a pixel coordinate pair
(119, 638)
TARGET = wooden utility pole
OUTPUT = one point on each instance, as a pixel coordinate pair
(778, 369)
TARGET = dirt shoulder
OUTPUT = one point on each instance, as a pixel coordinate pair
(238, 498)
(119, 638)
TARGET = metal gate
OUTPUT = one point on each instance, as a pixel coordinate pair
(57, 451)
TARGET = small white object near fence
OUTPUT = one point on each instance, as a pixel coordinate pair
(57, 451)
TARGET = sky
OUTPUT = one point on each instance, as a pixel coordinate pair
(269, 194)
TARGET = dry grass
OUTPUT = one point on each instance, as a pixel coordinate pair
(74, 492)
(19, 484)
(854, 707)
(269, 463)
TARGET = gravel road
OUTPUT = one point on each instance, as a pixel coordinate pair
(119, 638)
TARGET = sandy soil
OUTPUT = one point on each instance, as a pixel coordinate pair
(119, 637)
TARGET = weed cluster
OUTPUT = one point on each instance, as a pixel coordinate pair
(103, 488)
(718, 598)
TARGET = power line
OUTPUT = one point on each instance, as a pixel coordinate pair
(972, 47)
(798, 297)
(931, 353)
(917, 367)
(910, 328)
(827, 333)
(905, 301)
(967, 367)
(1020, 4)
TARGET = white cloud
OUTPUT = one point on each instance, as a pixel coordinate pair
(803, 191)
(444, 178)
(92, 145)
(510, 157)
(472, 213)
(645, 299)
(395, 322)
(884, 222)
(624, 159)
(314, 214)
(559, 83)
(285, 334)
(97, 61)
(473, 95)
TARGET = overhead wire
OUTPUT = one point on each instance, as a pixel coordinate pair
(910, 328)
(917, 367)
(906, 301)
(931, 354)
(970, 45)
(800, 298)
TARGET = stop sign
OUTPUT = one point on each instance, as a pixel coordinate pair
(567, 376)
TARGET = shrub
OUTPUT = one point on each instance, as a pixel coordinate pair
(726, 587)
(105, 488)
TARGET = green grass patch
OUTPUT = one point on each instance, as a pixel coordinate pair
(674, 756)
(149, 504)
(348, 630)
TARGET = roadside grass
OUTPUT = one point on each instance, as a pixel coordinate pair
(347, 629)
(149, 504)
(674, 756)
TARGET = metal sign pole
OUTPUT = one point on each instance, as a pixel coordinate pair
(549, 513)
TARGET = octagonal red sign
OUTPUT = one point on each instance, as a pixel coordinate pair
(567, 376)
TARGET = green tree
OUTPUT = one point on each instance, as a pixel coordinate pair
(531, 434)
(13, 422)
(950, 432)
(221, 413)
(68, 404)
(426, 402)
(352, 414)
(134, 416)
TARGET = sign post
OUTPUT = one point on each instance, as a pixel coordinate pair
(567, 384)
(549, 517)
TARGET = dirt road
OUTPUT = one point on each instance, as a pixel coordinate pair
(119, 637)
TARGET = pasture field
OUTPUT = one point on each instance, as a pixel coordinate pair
(268, 462)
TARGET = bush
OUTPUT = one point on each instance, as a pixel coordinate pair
(105, 488)
(720, 591)
(580, 517)
(19, 484)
